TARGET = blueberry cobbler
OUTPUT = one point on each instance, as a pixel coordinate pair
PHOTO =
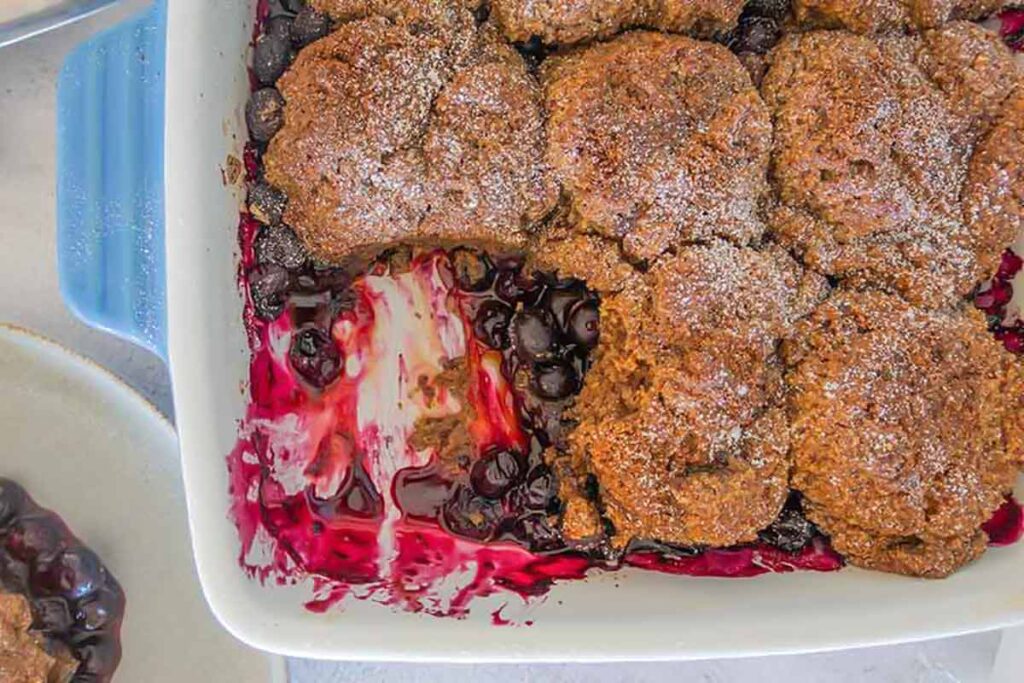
(60, 609)
(711, 288)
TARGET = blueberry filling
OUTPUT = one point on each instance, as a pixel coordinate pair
(75, 601)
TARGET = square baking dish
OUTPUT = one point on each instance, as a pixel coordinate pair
(181, 119)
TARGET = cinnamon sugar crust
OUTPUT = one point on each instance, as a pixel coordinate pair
(906, 430)
(873, 146)
(876, 16)
(657, 139)
(559, 21)
(680, 420)
(392, 135)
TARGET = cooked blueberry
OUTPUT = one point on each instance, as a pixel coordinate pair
(776, 9)
(491, 324)
(270, 57)
(536, 532)
(555, 381)
(754, 34)
(315, 356)
(467, 514)
(293, 5)
(584, 325)
(51, 615)
(495, 473)
(264, 114)
(280, 246)
(268, 284)
(481, 12)
(421, 492)
(98, 611)
(12, 501)
(279, 27)
(472, 269)
(512, 286)
(266, 203)
(561, 300)
(74, 574)
(34, 538)
(309, 25)
(533, 51)
(790, 531)
(540, 489)
(533, 334)
(98, 655)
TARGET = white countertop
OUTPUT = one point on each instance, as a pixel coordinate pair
(29, 297)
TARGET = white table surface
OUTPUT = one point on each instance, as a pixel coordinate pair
(29, 297)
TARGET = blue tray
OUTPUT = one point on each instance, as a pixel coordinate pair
(110, 180)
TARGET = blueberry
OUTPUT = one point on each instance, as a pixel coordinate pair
(533, 51)
(472, 516)
(309, 25)
(754, 34)
(491, 324)
(264, 114)
(790, 531)
(541, 488)
(268, 284)
(315, 356)
(97, 612)
(280, 246)
(267, 203)
(536, 533)
(471, 269)
(561, 300)
(774, 9)
(270, 57)
(34, 538)
(495, 473)
(294, 5)
(584, 325)
(513, 287)
(98, 654)
(279, 27)
(421, 492)
(555, 381)
(13, 501)
(74, 575)
(51, 615)
(533, 334)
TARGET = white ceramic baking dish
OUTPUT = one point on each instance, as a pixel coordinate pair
(628, 615)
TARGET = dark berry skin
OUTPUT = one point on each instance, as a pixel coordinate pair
(541, 488)
(555, 381)
(268, 284)
(561, 300)
(584, 325)
(77, 573)
(791, 531)
(279, 27)
(315, 357)
(495, 473)
(309, 25)
(267, 203)
(472, 516)
(491, 324)
(754, 34)
(264, 114)
(533, 335)
(280, 246)
(270, 57)
(12, 501)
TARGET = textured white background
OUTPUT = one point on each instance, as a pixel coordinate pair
(29, 297)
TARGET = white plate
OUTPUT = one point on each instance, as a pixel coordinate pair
(91, 450)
